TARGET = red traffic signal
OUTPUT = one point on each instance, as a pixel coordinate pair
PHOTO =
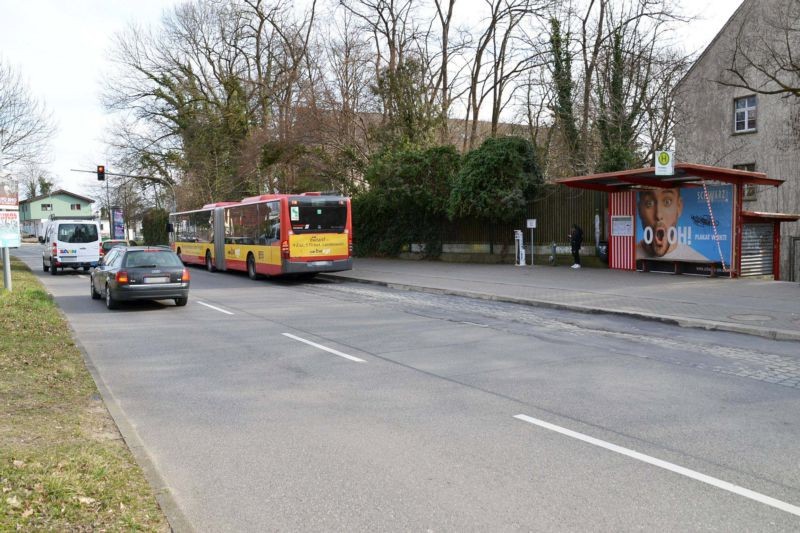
(101, 173)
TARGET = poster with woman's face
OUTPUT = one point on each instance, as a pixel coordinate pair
(683, 224)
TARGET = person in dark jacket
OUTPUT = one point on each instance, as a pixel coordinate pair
(575, 241)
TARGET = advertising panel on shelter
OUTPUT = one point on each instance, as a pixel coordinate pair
(682, 224)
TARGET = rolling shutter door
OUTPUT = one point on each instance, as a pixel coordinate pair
(757, 248)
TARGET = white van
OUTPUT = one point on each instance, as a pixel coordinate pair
(73, 243)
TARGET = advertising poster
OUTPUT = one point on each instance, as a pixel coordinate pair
(117, 224)
(9, 229)
(9, 196)
(675, 224)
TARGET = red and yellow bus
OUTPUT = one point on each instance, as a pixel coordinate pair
(270, 235)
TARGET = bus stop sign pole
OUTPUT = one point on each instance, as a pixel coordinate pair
(6, 269)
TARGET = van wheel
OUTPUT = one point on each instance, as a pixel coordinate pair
(53, 268)
(209, 262)
(251, 267)
(45, 267)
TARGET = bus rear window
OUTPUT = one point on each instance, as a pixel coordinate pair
(318, 215)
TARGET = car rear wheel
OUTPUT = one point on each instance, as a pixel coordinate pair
(180, 302)
(111, 303)
(209, 263)
(251, 267)
(94, 293)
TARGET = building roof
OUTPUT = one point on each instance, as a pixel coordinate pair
(54, 193)
(686, 175)
(713, 41)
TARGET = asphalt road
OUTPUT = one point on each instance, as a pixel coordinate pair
(324, 406)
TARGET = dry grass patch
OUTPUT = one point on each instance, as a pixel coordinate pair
(63, 464)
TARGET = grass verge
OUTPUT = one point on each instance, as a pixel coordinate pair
(63, 463)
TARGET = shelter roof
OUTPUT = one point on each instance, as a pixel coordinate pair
(780, 217)
(686, 175)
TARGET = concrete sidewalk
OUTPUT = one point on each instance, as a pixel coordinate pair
(756, 307)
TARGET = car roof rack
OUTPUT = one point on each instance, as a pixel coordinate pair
(54, 217)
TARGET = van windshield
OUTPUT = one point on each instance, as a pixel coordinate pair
(77, 233)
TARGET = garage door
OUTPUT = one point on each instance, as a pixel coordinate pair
(757, 248)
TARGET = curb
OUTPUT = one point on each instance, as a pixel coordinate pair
(709, 325)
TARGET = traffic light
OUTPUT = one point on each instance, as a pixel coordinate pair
(101, 173)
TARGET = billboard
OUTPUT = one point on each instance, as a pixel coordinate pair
(676, 224)
(9, 196)
(9, 229)
(117, 224)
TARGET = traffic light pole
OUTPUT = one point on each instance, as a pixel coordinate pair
(101, 171)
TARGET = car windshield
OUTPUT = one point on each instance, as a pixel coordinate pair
(151, 259)
(77, 233)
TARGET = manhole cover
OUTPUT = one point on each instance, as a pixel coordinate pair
(750, 318)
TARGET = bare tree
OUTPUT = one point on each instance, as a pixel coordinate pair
(766, 61)
(31, 177)
(25, 124)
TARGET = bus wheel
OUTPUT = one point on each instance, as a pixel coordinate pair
(209, 263)
(251, 267)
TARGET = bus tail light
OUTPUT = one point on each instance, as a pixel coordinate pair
(185, 275)
(122, 277)
(285, 249)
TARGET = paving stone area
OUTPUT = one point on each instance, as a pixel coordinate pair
(670, 343)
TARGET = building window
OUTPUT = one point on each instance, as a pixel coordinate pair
(47, 207)
(75, 207)
(749, 193)
(744, 114)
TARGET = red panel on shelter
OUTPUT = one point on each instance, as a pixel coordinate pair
(621, 247)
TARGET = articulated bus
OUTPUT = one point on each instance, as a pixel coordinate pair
(270, 235)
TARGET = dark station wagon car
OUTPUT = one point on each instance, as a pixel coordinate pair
(140, 273)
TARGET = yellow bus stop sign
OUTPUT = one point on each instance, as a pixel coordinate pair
(664, 163)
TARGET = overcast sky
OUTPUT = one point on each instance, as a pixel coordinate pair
(59, 47)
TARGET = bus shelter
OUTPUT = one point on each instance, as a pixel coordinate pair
(693, 221)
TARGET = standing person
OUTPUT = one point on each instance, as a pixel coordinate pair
(575, 241)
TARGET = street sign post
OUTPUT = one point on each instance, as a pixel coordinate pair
(531, 224)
